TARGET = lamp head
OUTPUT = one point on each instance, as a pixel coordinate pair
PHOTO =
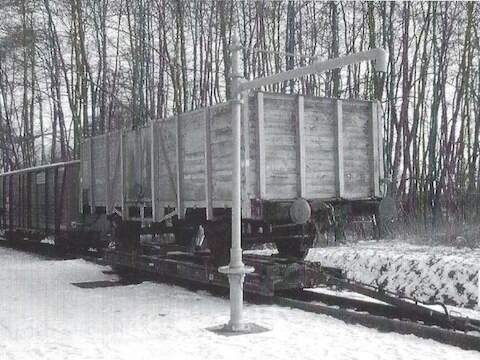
(381, 60)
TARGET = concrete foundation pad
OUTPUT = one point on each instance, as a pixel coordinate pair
(247, 328)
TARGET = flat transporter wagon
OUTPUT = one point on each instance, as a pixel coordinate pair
(167, 187)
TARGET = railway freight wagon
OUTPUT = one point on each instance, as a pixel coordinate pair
(301, 157)
(41, 201)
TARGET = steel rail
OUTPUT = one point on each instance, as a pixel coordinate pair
(440, 318)
(386, 309)
(384, 324)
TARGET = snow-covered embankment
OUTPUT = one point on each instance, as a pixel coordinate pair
(427, 273)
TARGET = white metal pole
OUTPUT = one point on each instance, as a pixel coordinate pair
(236, 251)
(236, 270)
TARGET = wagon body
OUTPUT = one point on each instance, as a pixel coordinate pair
(41, 200)
(292, 147)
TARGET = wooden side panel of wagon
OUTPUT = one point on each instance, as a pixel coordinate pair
(98, 167)
(192, 157)
(192, 160)
(221, 153)
(165, 165)
(136, 150)
(38, 200)
(2, 203)
(67, 197)
(86, 177)
(292, 146)
(114, 167)
(311, 147)
(101, 188)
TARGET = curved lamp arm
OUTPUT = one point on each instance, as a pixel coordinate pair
(380, 56)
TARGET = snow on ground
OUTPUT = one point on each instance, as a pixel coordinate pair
(44, 316)
(427, 273)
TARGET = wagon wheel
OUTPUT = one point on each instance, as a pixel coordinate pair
(385, 215)
(11, 237)
(296, 248)
(126, 236)
(185, 233)
(218, 236)
(127, 275)
(62, 243)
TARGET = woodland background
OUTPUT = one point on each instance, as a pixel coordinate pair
(73, 68)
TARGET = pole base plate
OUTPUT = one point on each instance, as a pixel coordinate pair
(243, 329)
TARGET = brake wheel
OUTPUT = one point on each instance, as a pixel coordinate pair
(296, 248)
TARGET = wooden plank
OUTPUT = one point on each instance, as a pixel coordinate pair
(80, 188)
(357, 149)
(262, 189)
(167, 157)
(114, 169)
(46, 200)
(375, 181)
(138, 166)
(246, 205)
(20, 195)
(221, 143)
(208, 165)
(11, 201)
(147, 164)
(31, 194)
(193, 155)
(320, 147)
(92, 177)
(179, 143)
(153, 169)
(24, 200)
(122, 174)
(56, 212)
(108, 190)
(3, 202)
(380, 142)
(100, 175)
(281, 147)
(340, 172)
(300, 132)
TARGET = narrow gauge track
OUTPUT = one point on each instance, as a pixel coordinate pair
(44, 250)
(401, 317)
(383, 317)
(49, 251)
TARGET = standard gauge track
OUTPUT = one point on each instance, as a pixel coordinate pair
(383, 317)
